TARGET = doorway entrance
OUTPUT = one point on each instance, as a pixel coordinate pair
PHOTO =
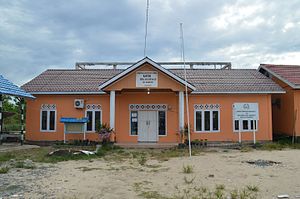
(148, 126)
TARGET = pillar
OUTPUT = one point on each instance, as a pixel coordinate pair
(181, 110)
(112, 109)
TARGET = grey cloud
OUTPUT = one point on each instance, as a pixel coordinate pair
(36, 35)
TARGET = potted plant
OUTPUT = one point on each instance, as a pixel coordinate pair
(105, 133)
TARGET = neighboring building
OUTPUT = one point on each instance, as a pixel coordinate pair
(145, 103)
(286, 107)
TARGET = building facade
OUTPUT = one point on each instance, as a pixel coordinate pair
(286, 107)
(146, 103)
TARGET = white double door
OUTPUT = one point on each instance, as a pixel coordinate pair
(147, 126)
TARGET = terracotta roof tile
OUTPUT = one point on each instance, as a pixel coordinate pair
(288, 73)
(205, 80)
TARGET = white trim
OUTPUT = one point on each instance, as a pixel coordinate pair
(67, 93)
(48, 120)
(93, 120)
(279, 77)
(211, 121)
(237, 92)
(139, 63)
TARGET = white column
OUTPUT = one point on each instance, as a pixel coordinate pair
(181, 110)
(112, 109)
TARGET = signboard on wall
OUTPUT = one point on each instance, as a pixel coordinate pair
(146, 79)
(245, 111)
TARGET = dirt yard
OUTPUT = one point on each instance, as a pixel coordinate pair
(225, 172)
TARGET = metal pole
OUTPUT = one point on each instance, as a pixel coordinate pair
(1, 103)
(22, 106)
(186, 90)
(240, 134)
(254, 132)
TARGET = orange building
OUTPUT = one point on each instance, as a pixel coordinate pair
(146, 103)
(286, 107)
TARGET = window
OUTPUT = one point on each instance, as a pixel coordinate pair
(207, 120)
(48, 120)
(161, 123)
(94, 122)
(247, 125)
(133, 123)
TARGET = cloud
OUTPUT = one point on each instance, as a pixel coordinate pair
(40, 34)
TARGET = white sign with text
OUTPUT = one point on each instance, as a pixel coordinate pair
(146, 79)
(245, 111)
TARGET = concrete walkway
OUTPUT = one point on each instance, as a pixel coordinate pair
(7, 147)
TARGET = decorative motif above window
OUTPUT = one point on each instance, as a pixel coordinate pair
(206, 106)
(48, 106)
(93, 107)
(154, 107)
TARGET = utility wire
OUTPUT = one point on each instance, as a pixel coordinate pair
(146, 28)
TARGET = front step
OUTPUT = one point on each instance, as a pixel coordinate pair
(147, 145)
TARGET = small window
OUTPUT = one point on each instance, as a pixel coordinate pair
(236, 125)
(89, 125)
(52, 121)
(207, 120)
(198, 120)
(215, 120)
(247, 125)
(162, 122)
(48, 120)
(94, 122)
(133, 122)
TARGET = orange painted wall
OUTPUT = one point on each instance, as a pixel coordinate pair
(284, 116)
(297, 111)
(65, 108)
(226, 121)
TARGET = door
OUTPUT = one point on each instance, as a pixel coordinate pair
(147, 126)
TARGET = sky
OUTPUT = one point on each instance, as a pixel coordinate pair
(36, 35)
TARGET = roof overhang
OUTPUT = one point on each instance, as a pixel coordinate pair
(294, 86)
(140, 63)
(68, 93)
(239, 92)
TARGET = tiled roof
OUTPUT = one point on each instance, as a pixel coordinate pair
(205, 80)
(290, 74)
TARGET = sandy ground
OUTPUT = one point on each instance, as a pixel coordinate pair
(128, 179)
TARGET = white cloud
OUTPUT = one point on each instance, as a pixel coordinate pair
(238, 15)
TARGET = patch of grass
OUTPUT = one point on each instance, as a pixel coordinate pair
(23, 165)
(152, 195)
(188, 181)
(6, 156)
(246, 149)
(4, 170)
(142, 160)
(253, 188)
(187, 169)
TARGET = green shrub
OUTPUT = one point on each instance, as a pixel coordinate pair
(4, 170)
(187, 169)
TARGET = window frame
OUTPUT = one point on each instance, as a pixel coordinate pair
(93, 120)
(48, 120)
(203, 121)
(249, 126)
(130, 122)
(166, 127)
